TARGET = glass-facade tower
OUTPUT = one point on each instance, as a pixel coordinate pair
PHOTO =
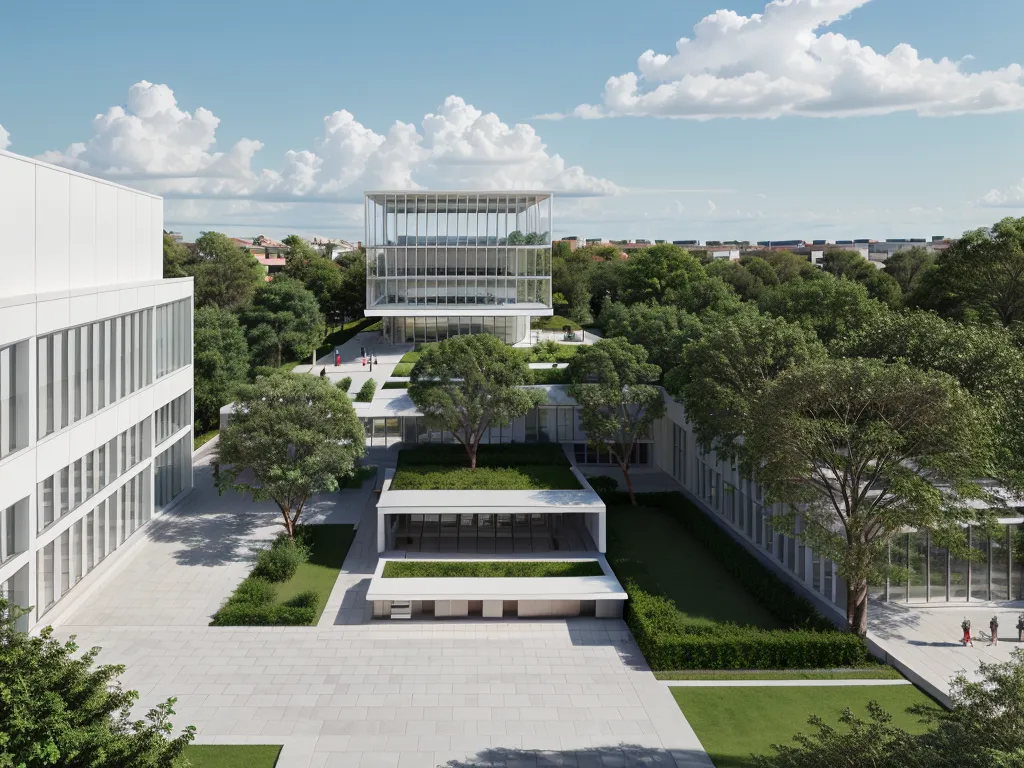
(441, 264)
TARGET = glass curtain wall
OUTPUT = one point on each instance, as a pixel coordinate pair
(172, 472)
(169, 418)
(13, 398)
(173, 339)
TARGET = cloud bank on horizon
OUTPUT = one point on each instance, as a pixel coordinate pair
(776, 64)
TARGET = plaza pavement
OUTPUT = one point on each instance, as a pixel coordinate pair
(351, 692)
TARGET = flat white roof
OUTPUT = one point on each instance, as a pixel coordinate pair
(389, 403)
(604, 587)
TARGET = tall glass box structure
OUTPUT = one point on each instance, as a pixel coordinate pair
(441, 264)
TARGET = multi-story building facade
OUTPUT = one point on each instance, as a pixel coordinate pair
(441, 264)
(95, 379)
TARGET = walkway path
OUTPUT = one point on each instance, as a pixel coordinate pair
(388, 356)
(354, 692)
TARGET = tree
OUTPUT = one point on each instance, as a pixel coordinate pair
(860, 449)
(788, 265)
(852, 266)
(745, 283)
(570, 276)
(606, 272)
(57, 708)
(284, 319)
(351, 298)
(829, 306)
(296, 434)
(221, 362)
(662, 331)
(226, 275)
(615, 387)
(723, 369)
(321, 276)
(657, 273)
(908, 266)
(466, 384)
(176, 256)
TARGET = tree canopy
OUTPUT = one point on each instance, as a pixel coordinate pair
(829, 306)
(467, 384)
(615, 387)
(908, 266)
(283, 322)
(221, 363)
(320, 276)
(226, 275)
(297, 435)
(58, 708)
(176, 256)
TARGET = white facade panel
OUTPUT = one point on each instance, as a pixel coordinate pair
(17, 222)
(125, 236)
(53, 235)
(83, 232)
(106, 235)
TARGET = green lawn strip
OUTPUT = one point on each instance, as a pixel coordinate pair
(402, 369)
(395, 385)
(553, 323)
(733, 722)
(876, 672)
(341, 334)
(232, 755)
(419, 569)
(664, 559)
(204, 438)
(519, 478)
(330, 545)
(503, 455)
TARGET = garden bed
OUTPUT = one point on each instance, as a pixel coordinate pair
(232, 755)
(447, 478)
(526, 569)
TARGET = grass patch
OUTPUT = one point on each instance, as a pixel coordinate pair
(733, 723)
(204, 438)
(873, 672)
(445, 478)
(340, 334)
(553, 323)
(422, 569)
(232, 755)
(503, 455)
(549, 376)
(395, 385)
(664, 559)
(329, 544)
(403, 369)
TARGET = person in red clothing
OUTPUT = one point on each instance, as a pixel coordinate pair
(965, 625)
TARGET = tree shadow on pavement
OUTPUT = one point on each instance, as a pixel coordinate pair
(889, 620)
(615, 756)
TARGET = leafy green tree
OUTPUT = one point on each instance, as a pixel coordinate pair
(860, 449)
(58, 709)
(745, 283)
(221, 363)
(284, 319)
(467, 384)
(606, 273)
(176, 256)
(658, 273)
(789, 266)
(226, 275)
(980, 277)
(908, 266)
(321, 276)
(722, 370)
(829, 306)
(351, 298)
(570, 276)
(296, 434)
(760, 269)
(663, 331)
(852, 266)
(616, 389)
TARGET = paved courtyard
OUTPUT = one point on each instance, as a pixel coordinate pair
(356, 692)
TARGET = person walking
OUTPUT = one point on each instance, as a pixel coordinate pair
(323, 373)
(965, 625)
(1020, 628)
(993, 627)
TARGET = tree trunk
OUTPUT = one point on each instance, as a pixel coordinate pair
(857, 608)
(289, 524)
(471, 453)
(629, 483)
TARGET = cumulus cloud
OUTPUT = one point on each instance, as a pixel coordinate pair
(156, 144)
(780, 62)
(5, 138)
(1013, 197)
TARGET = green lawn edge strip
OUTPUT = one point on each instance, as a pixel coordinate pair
(421, 569)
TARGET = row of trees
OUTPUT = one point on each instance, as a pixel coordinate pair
(244, 322)
(868, 400)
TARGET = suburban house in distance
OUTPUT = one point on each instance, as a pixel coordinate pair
(95, 379)
(440, 264)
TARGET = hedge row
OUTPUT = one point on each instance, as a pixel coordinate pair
(504, 455)
(447, 478)
(253, 604)
(549, 375)
(791, 609)
(365, 393)
(669, 639)
(427, 569)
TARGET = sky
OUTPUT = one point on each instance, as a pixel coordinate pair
(664, 119)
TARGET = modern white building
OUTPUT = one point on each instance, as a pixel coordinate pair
(95, 379)
(441, 264)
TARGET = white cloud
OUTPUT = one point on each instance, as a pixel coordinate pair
(5, 138)
(1013, 197)
(155, 144)
(776, 63)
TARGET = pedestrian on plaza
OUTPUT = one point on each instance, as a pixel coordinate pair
(323, 372)
(1020, 628)
(965, 625)
(993, 626)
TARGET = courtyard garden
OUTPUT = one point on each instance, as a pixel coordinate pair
(498, 468)
(421, 569)
(291, 581)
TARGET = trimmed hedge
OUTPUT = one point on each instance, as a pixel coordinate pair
(790, 608)
(344, 384)
(428, 569)
(669, 639)
(365, 394)
(504, 455)
(603, 484)
(252, 604)
(395, 385)
(280, 560)
(549, 375)
(448, 478)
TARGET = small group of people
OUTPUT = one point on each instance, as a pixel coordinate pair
(993, 628)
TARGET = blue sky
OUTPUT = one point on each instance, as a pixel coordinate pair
(271, 72)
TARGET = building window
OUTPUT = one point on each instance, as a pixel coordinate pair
(172, 417)
(13, 530)
(13, 398)
(173, 336)
(172, 472)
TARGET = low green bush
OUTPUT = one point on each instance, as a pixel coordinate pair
(549, 375)
(395, 385)
(365, 394)
(280, 560)
(344, 384)
(772, 592)
(423, 569)
(603, 484)
(307, 599)
(268, 615)
(358, 476)
(446, 478)
(255, 590)
(503, 455)
(669, 639)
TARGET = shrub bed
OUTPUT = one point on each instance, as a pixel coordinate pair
(549, 375)
(421, 569)
(554, 323)
(448, 478)
(359, 476)
(395, 385)
(505, 455)
(344, 384)
(365, 394)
